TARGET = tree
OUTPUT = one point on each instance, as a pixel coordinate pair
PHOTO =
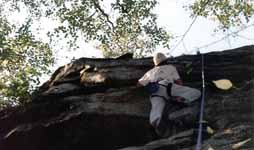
(115, 27)
(123, 26)
(229, 13)
(120, 26)
(22, 61)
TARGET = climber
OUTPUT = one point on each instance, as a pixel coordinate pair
(163, 83)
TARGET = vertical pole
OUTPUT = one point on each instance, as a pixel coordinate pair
(199, 140)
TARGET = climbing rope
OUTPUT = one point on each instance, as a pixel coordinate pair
(199, 140)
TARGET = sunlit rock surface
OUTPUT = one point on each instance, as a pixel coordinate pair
(94, 104)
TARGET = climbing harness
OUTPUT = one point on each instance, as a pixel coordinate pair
(199, 140)
(152, 87)
(169, 89)
(158, 86)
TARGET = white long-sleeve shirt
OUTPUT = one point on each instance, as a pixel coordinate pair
(159, 73)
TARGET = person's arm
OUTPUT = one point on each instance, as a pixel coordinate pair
(143, 81)
(146, 78)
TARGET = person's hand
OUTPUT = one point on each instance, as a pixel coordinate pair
(179, 99)
(138, 84)
(178, 81)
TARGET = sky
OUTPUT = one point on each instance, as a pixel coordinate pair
(174, 18)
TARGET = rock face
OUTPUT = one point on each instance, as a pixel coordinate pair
(94, 104)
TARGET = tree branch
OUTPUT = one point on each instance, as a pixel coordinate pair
(89, 17)
(98, 7)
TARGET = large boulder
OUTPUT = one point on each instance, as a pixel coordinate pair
(95, 104)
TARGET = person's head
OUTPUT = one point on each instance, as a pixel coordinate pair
(158, 58)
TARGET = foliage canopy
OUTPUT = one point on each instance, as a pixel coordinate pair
(120, 26)
(228, 13)
(22, 61)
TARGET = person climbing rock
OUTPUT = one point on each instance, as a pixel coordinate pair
(163, 82)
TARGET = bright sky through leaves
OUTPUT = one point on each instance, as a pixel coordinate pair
(175, 19)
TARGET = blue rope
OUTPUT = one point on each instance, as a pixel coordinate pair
(199, 141)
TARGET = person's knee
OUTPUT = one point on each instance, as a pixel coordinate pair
(195, 93)
(198, 94)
